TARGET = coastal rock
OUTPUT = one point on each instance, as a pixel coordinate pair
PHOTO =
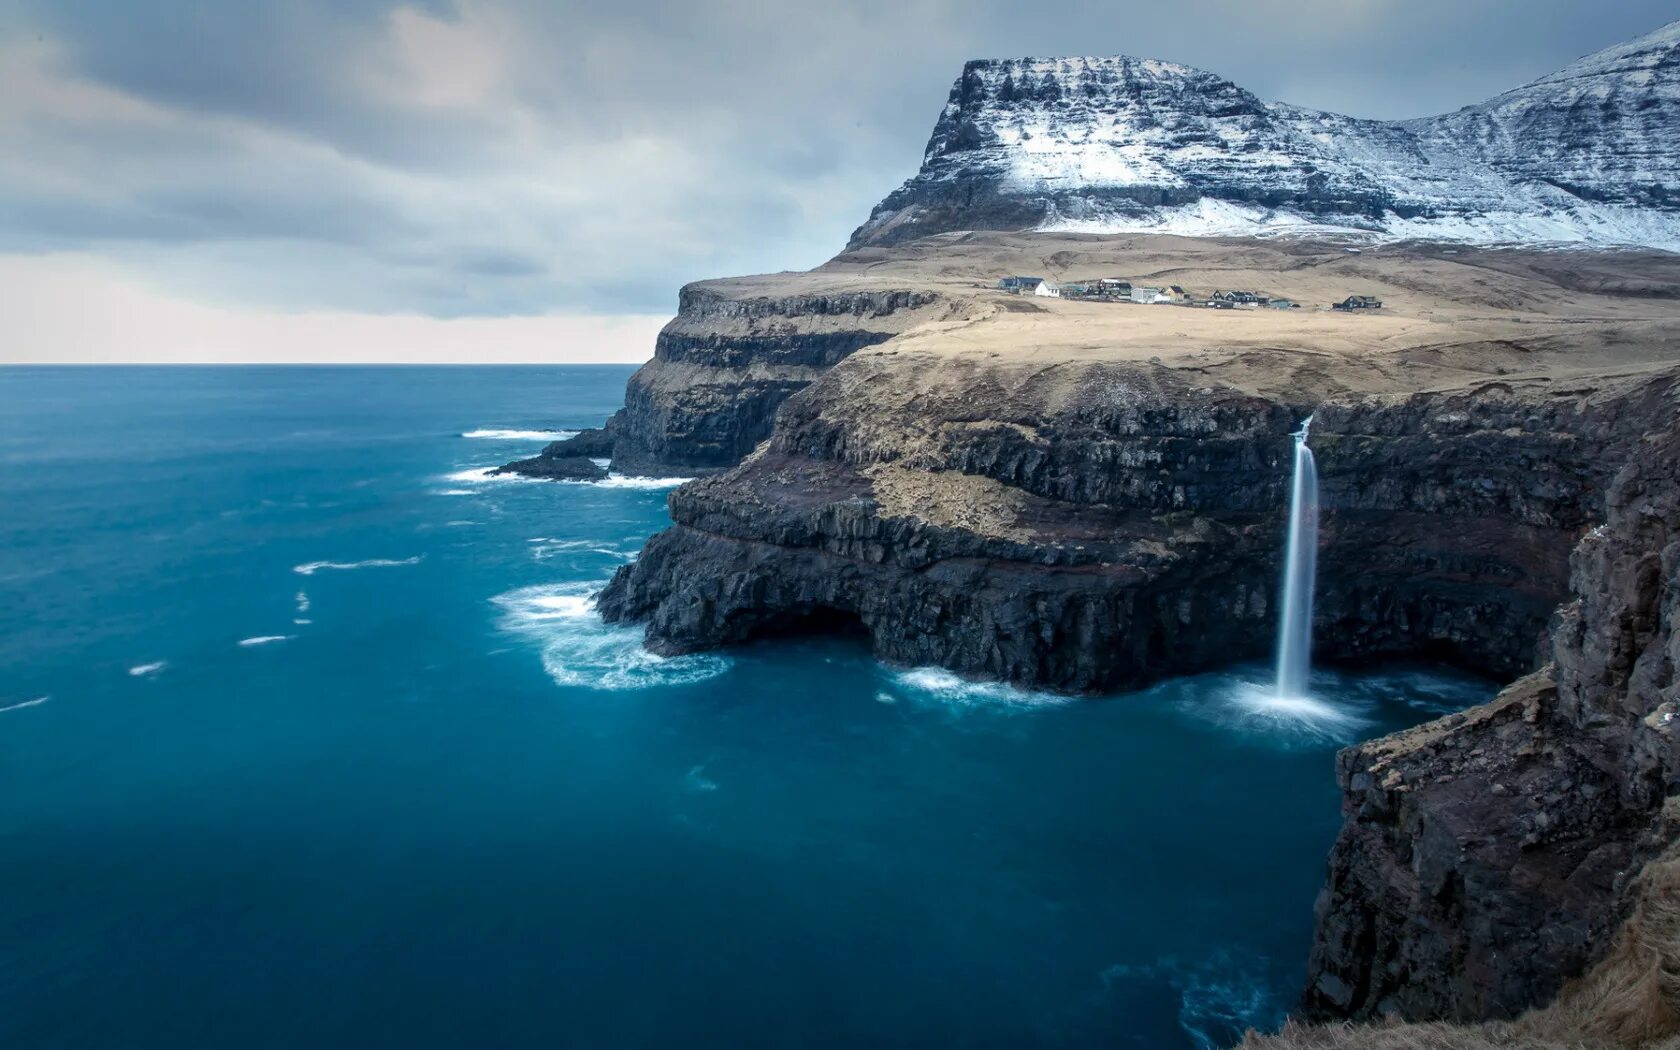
(556, 467)
(735, 351)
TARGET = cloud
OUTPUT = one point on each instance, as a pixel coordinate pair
(72, 309)
(460, 158)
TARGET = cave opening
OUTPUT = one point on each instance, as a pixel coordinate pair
(815, 621)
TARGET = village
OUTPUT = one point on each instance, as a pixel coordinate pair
(1119, 290)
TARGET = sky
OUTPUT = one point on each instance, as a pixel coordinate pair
(516, 180)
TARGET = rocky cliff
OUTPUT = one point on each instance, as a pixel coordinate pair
(1115, 144)
(1488, 856)
(735, 351)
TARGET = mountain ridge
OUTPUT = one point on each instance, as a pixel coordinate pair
(1585, 155)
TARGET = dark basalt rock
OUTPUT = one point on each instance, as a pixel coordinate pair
(556, 468)
(1145, 530)
(1486, 857)
(596, 443)
(724, 365)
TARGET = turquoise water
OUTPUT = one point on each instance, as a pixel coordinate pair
(309, 738)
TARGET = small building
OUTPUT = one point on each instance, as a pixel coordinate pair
(1048, 290)
(1282, 304)
(1176, 294)
(1222, 304)
(1144, 294)
(1078, 290)
(1358, 302)
(1018, 285)
(1114, 288)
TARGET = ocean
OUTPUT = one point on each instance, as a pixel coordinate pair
(309, 737)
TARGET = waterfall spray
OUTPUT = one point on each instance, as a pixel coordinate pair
(1294, 650)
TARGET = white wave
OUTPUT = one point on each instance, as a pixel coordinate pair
(266, 639)
(624, 481)
(521, 435)
(146, 670)
(579, 649)
(947, 687)
(455, 492)
(302, 623)
(302, 600)
(313, 567)
(21, 704)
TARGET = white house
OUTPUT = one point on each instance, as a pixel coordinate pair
(1048, 289)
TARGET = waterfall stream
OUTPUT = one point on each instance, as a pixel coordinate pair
(1294, 649)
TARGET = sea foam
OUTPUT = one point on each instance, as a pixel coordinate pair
(579, 649)
(147, 670)
(266, 639)
(21, 704)
(947, 687)
(490, 434)
(313, 567)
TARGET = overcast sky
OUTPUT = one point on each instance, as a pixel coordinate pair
(521, 180)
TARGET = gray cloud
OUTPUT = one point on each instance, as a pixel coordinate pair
(515, 156)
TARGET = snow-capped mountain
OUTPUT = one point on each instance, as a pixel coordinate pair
(1589, 154)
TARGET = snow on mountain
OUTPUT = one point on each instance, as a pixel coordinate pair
(1587, 155)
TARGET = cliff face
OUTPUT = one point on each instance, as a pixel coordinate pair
(1488, 856)
(723, 366)
(1111, 144)
(1104, 525)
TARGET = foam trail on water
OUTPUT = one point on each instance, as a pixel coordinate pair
(313, 567)
(21, 704)
(265, 639)
(147, 670)
(1294, 650)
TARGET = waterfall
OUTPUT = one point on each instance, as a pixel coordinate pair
(1294, 649)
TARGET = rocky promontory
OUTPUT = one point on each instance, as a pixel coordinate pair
(735, 351)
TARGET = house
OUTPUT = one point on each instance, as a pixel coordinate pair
(1358, 302)
(1142, 294)
(1176, 294)
(1239, 298)
(1114, 288)
(1048, 290)
(1282, 304)
(1078, 290)
(1017, 285)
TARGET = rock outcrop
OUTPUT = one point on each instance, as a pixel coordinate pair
(1487, 856)
(557, 462)
(1113, 144)
(735, 351)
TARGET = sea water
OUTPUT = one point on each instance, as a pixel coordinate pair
(309, 736)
